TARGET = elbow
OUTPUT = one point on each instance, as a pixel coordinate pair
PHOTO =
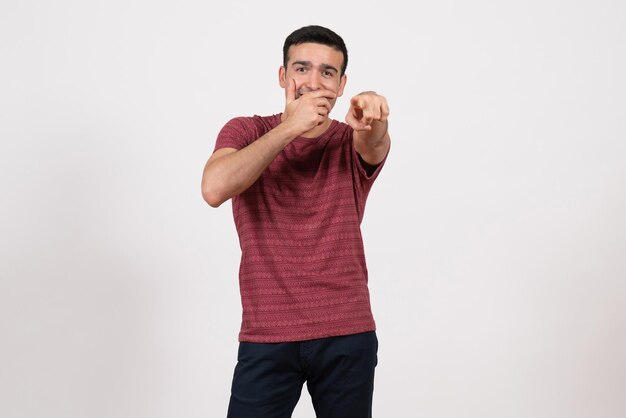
(212, 196)
(213, 200)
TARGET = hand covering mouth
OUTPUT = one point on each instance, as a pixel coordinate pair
(302, 91)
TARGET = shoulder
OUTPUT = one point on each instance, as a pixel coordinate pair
(249, 128)
(251, 123)
(240, 131)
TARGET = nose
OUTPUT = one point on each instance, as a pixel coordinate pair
(315, 80)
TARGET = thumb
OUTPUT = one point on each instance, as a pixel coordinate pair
(356, 123)
(291, 91)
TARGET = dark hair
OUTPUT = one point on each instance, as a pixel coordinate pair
(318, 35)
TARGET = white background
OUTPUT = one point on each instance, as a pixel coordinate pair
(495, 235)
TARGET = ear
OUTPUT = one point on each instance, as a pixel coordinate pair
(282, 79)
(342, 85)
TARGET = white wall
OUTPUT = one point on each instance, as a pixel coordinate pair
(495, 235)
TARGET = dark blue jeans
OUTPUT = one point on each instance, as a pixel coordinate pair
(339, 372)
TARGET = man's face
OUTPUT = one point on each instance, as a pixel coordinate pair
(313, 67)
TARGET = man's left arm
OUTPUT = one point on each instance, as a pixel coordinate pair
(368, 115)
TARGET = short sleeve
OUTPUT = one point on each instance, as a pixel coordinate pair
(367, 173)
(238, 133)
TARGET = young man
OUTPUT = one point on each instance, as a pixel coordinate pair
(298, 182)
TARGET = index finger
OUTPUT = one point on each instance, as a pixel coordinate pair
(329, 94)
(357, 102)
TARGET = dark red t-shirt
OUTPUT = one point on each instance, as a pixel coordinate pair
(303, 273)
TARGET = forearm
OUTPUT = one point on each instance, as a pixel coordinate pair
(372, 145)
(233, 173)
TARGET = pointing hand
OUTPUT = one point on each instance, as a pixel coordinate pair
(365, 108)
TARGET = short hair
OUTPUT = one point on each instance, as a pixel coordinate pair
(319, 35)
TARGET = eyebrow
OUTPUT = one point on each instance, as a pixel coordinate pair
(308, 64)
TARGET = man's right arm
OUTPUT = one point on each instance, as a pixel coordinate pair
(228, 172)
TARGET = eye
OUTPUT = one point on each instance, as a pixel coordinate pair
(328, 73)
(300, 69)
